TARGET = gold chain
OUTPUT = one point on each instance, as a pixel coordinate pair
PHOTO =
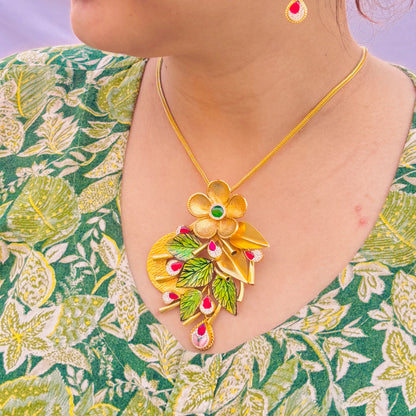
(280, 145)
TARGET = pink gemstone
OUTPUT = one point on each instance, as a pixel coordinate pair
(201, 330)
(184, 230)
(176, 266)
(295, 7)
(173, 296)
(206, 303)
(249, 255)
(212, 246)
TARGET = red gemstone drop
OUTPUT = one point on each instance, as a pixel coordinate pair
(173, 296)
(184, 230)
(201, 330)
(176, 266)
(206, 303)
(212, 246)
(249, 255)
(295, 7)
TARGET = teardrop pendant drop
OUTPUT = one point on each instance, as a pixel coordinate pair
(296, 11)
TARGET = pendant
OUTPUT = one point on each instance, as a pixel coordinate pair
(203, 267)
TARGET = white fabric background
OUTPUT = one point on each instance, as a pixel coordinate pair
(26, 24)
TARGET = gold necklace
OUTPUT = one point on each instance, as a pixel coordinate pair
(196, 266)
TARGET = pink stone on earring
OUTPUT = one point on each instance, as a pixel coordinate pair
(296, 11)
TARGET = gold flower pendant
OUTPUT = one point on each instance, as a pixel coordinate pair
(203, 267)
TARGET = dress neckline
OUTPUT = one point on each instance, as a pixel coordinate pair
(333, 285)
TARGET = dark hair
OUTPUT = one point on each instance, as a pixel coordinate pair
(380, 4)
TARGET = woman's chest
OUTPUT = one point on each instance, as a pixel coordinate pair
(315, 204)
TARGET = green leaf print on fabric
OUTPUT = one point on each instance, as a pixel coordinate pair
(281, 381)
(12, 135)
(118, 96)
(34, 85)
(194, 392)
(163, 355)
(327, 314)
(254, 403)
(79, 318)
(113, 162)
(371, 283)
(22, 335)
(57, 135)
(102, 409)
(404, 303)
(36, 280)
(61, 355)
(398, 370)
(300, 403)
(36, 396)
(99, 130)
(374, 398)
(239, 371)
(142, 404)
(409, 154)
(98, 194)
(392, 241)
(46, 209)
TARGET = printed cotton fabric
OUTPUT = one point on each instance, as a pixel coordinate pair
(75, 336)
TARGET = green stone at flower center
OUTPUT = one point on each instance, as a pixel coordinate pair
(217, 211)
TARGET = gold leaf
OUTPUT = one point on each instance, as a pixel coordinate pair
(247, 237)
(234, 265)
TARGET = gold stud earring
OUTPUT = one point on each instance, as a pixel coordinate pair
(296, 11)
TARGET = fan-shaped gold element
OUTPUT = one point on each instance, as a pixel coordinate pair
(157, 267)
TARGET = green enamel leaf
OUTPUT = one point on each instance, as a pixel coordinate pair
(182, 246)
(196, 272)
(46, 209)
(225, 292)
(189, 303)
(392, 239)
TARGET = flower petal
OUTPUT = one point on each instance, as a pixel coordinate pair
(227, 227)
(205, 227)
(199, 205)
(218, 192)
(237, 206)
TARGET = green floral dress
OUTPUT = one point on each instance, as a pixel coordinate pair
(75, 336)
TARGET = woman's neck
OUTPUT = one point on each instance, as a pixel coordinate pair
(262, 85)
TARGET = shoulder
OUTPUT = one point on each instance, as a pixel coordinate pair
(80, 56)
(407, 71)
(56, 71)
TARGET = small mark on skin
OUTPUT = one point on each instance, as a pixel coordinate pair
(358, 208)
(363, 221)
